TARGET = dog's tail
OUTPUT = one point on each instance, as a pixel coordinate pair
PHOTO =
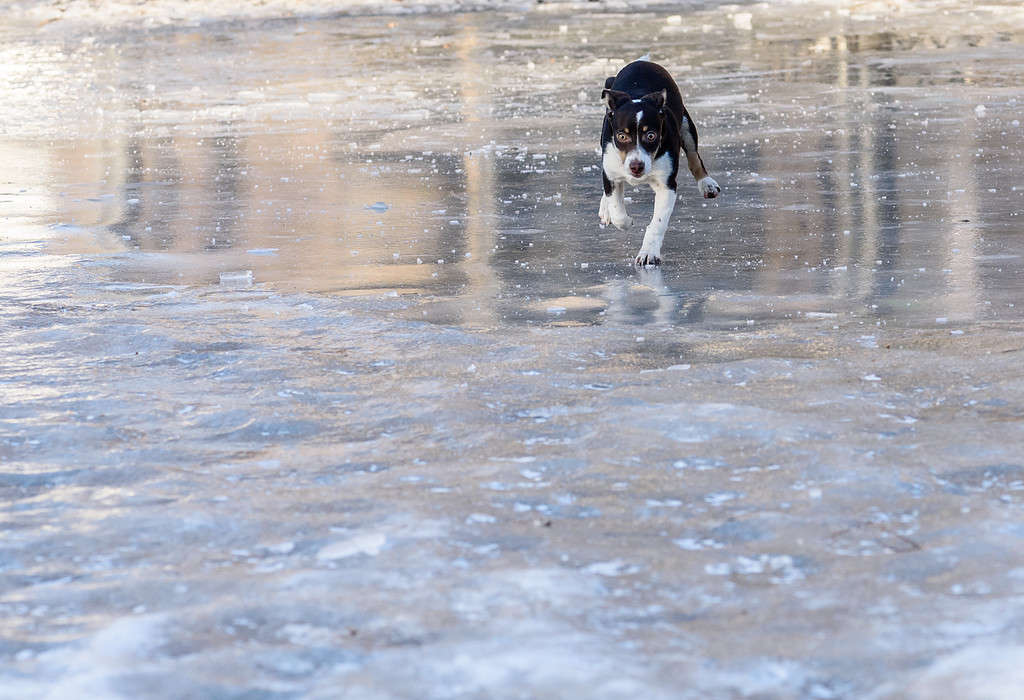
(645, 57)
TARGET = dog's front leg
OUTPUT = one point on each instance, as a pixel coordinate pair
(606, 195)
(613, 205)
(664, 203)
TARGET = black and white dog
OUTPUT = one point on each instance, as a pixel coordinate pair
(644, 128)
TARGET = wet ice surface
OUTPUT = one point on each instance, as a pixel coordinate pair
(321, 379)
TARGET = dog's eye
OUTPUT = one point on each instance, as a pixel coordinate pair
(651, 136)
(622, 136)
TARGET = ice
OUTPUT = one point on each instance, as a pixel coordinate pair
(366, 543)
(612, 568)
(742, 20)
(240, 278)
(257, 440)
(718, 499)
(981, 671)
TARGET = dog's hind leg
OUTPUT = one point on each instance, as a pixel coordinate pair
(705, 183)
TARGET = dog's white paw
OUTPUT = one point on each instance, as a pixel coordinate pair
(602, 213)
(647, 257)
(622, 222)
(709, 188)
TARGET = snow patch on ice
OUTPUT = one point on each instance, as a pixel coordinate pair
(981, 672)
(370, 544)
(92, 667)
(615, 567)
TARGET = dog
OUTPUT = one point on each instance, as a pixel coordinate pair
(645, 126)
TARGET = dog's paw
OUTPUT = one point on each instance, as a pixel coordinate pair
(646, 257)
(602, 212)
(622, 222)
(709, 188)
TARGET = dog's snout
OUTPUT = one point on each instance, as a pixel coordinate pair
(636, 167)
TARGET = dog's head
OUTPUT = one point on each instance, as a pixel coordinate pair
(637, 127)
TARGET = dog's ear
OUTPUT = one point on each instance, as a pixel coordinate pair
(613, 98)
(657, 99)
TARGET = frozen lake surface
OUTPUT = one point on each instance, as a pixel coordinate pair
(320, 379)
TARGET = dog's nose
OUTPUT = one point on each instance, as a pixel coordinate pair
(636, 167)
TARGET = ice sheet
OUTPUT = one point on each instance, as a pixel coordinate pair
(320, 378)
